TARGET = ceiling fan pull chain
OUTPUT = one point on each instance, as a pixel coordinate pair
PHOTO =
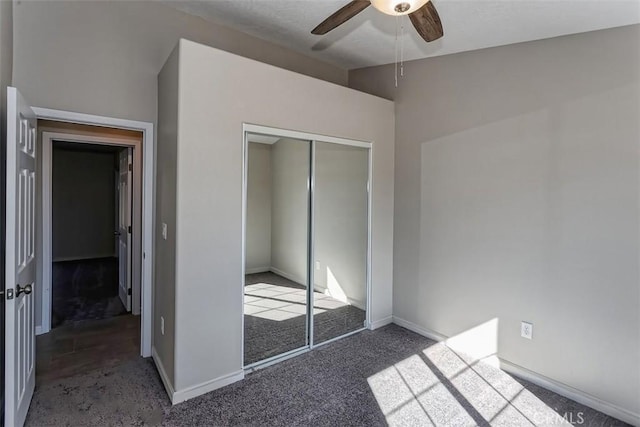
(402, 47)
(396, 52)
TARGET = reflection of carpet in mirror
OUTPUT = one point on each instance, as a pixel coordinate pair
(85, 290)
(275, 321)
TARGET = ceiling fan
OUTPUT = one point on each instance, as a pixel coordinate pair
(422, 13)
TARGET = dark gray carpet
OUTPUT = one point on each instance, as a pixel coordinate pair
(389, 376)
(275, 320)
(85, 290)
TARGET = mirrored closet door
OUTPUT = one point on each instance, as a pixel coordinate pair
(341, 225)
(306, 243)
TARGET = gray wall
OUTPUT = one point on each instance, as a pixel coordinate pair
(103, 57)
(290, 208)
(209, 160)
(517, 199)
(83, 204)
(164, 293)
(258, 231)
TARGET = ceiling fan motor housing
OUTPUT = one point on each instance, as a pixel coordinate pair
(398, 7)
(402, 7)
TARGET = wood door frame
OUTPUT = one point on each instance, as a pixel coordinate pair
(147, 155)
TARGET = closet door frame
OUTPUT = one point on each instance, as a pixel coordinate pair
(249, 128)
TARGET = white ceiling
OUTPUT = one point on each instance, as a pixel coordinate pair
(369, 38)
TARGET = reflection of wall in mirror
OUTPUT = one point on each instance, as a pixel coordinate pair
(341, 219)
(258, 231)
(277, 220)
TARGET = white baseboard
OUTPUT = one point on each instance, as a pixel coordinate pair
(380, 323)
(206, 387)
(540, 380)
(39, 330)
(163, 374)
(572, 393)
(288, 276)
(354, 302)
(419, 329)
(256, 270)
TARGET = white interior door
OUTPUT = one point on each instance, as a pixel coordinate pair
(124, 227)
(20, 259)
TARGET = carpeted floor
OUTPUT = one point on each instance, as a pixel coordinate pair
(275, 320)
(85, 290)
(390, 376)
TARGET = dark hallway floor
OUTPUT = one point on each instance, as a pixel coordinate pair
(81, 347)
(85, 290)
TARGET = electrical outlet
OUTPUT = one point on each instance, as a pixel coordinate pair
(164, 231)
(317, 265)
(526, 330)
(162, 325)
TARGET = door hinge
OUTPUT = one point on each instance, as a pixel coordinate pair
(129, 291)
(129, 229)
(130, 167)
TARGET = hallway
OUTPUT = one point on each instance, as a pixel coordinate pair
(82, 347)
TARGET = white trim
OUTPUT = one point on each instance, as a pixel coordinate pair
(206, 387)
(311, 247)
(572, 393)
(286, 133)
(162, 372)
(39, 330)
(313, 138)
(380, 323)
(260, 364)
(148, 195)
(243, 241)
(539, 379)
(369, 278)
(257, 270)
(419, 329)
(354, 302)
(286, 275)
(47, 252)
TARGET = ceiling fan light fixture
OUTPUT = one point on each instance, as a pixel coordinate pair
(398, 7)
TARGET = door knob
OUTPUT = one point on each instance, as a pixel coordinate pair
(20, 290)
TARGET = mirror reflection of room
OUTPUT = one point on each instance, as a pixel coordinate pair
(287, 244)
(341, 239)
(276, 282)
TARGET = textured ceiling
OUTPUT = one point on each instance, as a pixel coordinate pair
(369, 38)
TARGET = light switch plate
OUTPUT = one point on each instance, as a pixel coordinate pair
(164, 231)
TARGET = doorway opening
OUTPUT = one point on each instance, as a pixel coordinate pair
(91, 212)
(92, 240)
(28, 241)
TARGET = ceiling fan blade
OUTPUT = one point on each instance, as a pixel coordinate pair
(427, 22)
(341, 16)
